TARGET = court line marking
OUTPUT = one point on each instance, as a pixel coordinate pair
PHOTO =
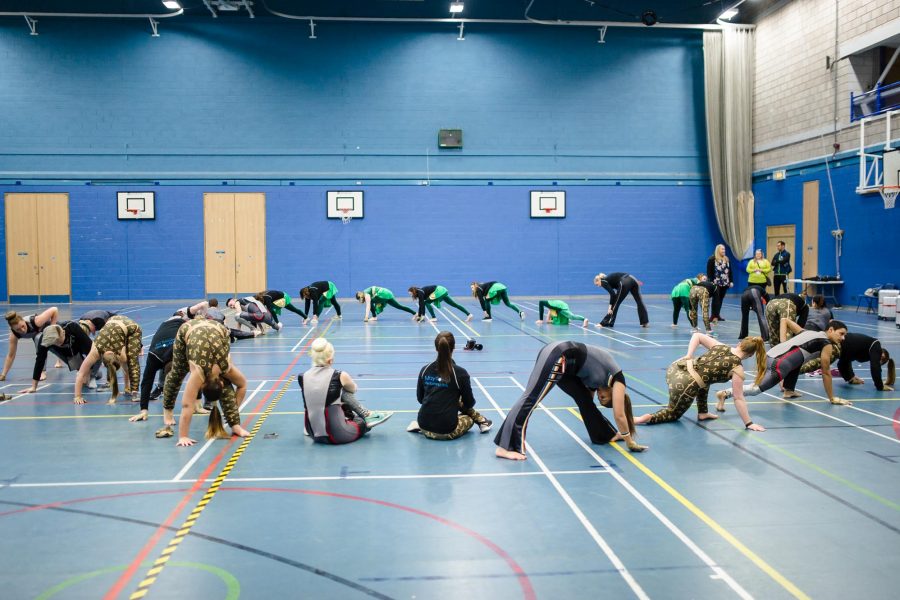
(833, 418)
(160, 563)
(886, 418)
(17, 396)
(756, 559)
(209, 442)
(131, 310)
(720, 573)
(464, 322)
(423, 476)
(809, 464)
(590, 329)
(589, 527)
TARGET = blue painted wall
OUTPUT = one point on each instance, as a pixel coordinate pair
(258, 105)
(259, 100)
(871, 232)
(410, 235)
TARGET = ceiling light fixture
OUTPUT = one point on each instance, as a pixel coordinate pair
(456, 8)
(171, 4)
(649, 18)
(729, 14)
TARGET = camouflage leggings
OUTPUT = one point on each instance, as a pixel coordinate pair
(699, 296)
(120, 333)
(775, 310)
(463, 424)
(180, 369)
(683, 390)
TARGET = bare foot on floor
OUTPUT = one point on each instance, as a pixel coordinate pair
(643, 419)
(787, 395)
(239, 431)
(509, 454)
(707, 416)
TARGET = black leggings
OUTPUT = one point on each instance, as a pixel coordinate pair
(629, 285)
(545, 374)
(753, 301)
(679, 303)
(273, 310)
(153, 367)
(718, 296)
(449, 301)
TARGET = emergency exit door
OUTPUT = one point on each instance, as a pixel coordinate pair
(235, 243)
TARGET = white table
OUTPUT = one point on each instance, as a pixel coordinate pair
(813, 282)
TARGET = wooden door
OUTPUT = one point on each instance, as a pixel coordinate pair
(810, 229)
(53, 247)
(788, 235)
(218, 222)
(250, 242)
(22, 265)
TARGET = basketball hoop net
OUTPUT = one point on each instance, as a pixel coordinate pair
(889, 195)
(548, 211)
(133, 212)
(345, 215)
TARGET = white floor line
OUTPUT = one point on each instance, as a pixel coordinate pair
(309, 478)
(16, 397)
(854, 407)
(209, 443)
(698, 552)
(449, 320)
(297, 345)
(818, 412)
(453, 315)
(589, 527)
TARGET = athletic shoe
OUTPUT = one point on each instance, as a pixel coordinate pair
(279, 325)
(377, 418)
(413, 427)
(92, 384)
(721, 319)
(487, 319)
(835, 373)
(103, 385)
(521, 315)
(674, 325)
(816, 373)
(468, 317)
(156, 393)
(486, 425)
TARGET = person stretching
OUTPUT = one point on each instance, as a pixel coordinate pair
(376, 298)
(785, 306)
(69, 342)
(559, 313)
(619, 285)
(26, 328)
(581, 371)
(680, 298)
(275, 301)
(117, 344)
(863, 348)
(434, 294)
(444, 391)
(93, 320)
(320, 294)
(493, 292)
(699, 299)
(784, 362)
(754, 298)
(202, 349)
(159, 359)
(252, 313)
(689, 378)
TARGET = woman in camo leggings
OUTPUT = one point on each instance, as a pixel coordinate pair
(202, 349)
(117, 344)
(689, 379)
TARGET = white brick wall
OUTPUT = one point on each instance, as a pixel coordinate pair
(794, 92)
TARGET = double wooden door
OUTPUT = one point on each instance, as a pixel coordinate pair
(37, 248)
(235, 243)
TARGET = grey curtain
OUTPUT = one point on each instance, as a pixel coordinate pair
(728, 69)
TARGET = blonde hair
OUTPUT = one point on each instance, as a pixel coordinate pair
(755, 345)
(723, 256)
(599, 277)
(321, 352)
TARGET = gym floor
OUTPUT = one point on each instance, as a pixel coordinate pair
(92, 505)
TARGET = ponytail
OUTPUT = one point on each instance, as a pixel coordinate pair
(629, 416)
(361, 297)
(412, 291)
(444, 344)
(112, 375)
(755, 345)
(212, 391)
(891, 369)
(475, 288)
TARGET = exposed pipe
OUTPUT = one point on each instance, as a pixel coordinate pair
(524, 21)
(31, 14)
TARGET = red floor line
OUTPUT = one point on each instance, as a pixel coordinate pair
(123, 580)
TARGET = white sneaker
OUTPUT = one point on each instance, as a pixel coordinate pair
(279, 325)
(469, 318)
(92, 384)
(521, 315)
(413, 427)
